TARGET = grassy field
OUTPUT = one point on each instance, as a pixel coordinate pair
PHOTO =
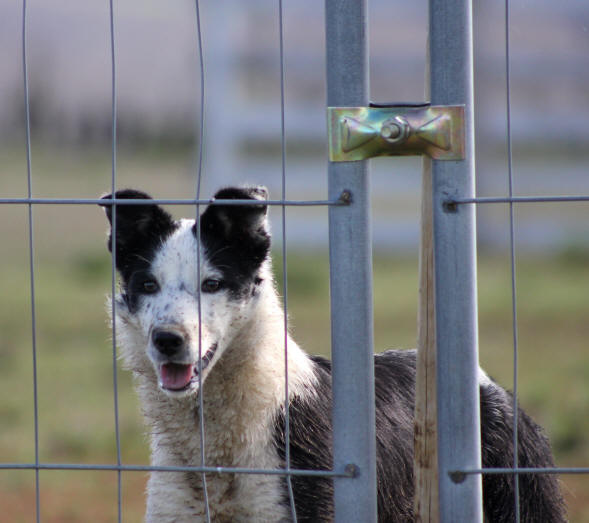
(75, 359)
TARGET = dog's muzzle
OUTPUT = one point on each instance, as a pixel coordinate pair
(175, 374)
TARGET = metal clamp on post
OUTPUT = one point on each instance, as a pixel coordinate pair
(358, 133)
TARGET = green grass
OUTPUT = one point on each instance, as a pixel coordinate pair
(74, 352)
(74, 356)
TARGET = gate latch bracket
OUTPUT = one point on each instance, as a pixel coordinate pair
(358, 133)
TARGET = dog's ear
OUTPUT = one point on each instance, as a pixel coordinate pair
(244, 227)
(140, 228)
(236, 220)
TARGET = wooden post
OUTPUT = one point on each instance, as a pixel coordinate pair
(426, 436)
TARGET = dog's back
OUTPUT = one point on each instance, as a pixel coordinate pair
(540, 497)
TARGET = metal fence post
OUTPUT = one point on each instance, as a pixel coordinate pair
(451, 82)
(351, 275)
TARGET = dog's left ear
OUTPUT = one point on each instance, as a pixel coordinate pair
(139, 228)
(242, 226)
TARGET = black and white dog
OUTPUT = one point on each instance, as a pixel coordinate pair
(237, 347)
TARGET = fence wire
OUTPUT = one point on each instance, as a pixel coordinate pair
(31, 251)
(30, 201)
(113, 282)
(450, 204)
(512, 260)
(283, 203)
(201, 65)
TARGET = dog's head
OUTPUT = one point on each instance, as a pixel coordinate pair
(187, 286)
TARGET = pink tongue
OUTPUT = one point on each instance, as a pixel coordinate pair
(175, 376)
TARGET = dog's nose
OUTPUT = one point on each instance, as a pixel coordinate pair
(167, 342)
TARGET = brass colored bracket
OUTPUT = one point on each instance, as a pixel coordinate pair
(357, 133)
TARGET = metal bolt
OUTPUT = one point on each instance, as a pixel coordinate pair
(390, 130)
(352, 470)
(457, 476)
(395, 130)
(449, 206)
(345, 197)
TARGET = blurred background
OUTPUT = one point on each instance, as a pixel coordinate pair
(158, 96)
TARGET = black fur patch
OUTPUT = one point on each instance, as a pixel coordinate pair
(235, 238)
(310, 447)
(140, 230)
(311, 443)
(539, 493)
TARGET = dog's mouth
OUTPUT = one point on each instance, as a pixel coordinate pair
(178, 377)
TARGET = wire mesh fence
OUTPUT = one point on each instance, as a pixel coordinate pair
(30, 201)
(335, 201)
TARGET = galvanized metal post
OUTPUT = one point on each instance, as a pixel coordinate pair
(351, 275)
(451, 82)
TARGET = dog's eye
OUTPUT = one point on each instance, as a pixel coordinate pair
(211, 285)
(149, 286)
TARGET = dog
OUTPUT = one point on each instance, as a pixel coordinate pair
(205, 319)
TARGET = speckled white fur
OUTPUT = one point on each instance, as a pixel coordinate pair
(243, 387)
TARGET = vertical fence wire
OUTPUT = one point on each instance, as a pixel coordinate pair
(114, 254)
(198, 257)
(284, 262)
(512, 259)
(31, 256)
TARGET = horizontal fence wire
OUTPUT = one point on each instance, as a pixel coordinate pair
(457, 475)
(516, 199)
(342, 200)
(348, 472)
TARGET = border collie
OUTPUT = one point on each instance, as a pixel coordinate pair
(235, 349)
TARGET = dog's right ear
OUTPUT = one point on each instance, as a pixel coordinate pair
(140, 228)
(238, 231)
